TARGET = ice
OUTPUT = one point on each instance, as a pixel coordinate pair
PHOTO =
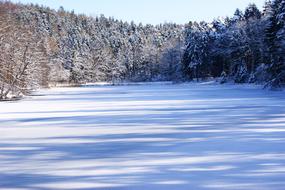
(148, 136)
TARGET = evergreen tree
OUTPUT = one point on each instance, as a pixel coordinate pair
(274, 42)
(252, 12)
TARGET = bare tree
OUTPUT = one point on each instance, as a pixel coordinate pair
(20, 58)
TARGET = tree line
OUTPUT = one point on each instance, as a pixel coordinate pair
(246, 48)
(40, 47)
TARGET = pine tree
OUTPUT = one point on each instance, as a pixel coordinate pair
(274, 43)
(252, 12)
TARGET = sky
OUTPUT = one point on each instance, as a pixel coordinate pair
(152, 11)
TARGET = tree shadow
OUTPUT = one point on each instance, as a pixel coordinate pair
(185, 138)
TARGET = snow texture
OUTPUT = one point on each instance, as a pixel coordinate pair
(137, 137)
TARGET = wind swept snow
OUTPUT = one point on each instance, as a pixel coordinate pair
(186, 136)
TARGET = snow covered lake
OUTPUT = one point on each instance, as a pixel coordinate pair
(144, 137)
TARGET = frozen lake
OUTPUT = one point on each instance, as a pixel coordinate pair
(144, 137)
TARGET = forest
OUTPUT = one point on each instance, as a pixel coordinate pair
(42, 47)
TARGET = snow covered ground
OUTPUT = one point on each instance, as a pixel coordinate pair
(144, 137)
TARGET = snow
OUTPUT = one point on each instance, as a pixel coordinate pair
(137, 137)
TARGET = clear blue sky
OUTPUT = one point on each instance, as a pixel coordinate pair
(152, 11)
